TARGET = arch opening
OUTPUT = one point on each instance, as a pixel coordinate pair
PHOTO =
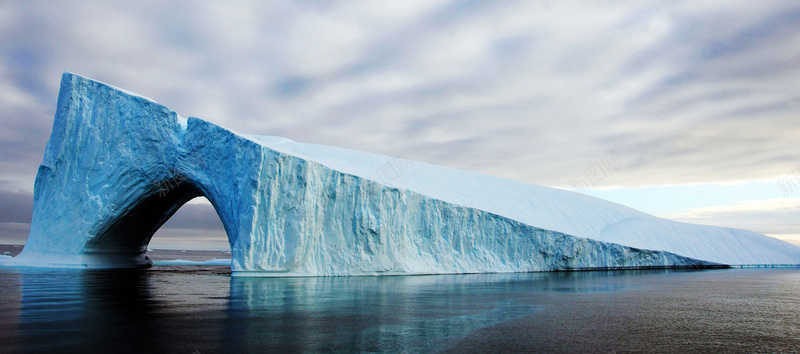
(126, 237)
(195, 226)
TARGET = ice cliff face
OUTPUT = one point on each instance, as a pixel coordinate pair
(117, 166)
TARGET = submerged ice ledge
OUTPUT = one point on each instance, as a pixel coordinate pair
(117, 166)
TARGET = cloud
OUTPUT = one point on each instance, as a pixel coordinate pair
(17, 206)
(197, 216)
(682, 92)
(14, 233)
(773, 217)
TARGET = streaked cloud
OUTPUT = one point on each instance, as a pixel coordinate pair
(682, 92)
(773, 217)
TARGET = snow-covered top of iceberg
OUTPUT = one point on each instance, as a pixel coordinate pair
(548, 208)
(129, 93)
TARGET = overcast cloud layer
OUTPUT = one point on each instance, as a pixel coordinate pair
(677, 92)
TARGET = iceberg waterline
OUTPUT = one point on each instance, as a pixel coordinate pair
(118, 165)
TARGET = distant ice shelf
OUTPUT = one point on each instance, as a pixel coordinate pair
(211, 262)
(118, 165)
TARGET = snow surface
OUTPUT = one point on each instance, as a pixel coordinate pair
(117, 167)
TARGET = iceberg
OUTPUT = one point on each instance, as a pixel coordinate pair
(118, 165)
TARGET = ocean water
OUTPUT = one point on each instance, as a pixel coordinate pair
(201, 309)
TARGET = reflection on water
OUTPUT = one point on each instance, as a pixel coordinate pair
(365, 313)
(188, 309)
(91, 310)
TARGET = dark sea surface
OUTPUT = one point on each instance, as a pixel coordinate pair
(202, 309)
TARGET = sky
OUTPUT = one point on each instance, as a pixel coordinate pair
(688, 109)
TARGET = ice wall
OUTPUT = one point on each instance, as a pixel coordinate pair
(117, 166)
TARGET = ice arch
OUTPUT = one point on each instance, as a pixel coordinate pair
(115, 169)
(118, 165)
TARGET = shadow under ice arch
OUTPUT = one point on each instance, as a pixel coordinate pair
(118, 165)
